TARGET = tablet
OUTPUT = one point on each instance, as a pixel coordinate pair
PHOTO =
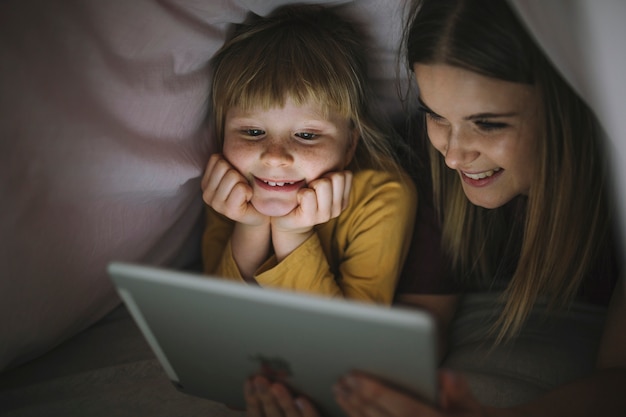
(211, 334)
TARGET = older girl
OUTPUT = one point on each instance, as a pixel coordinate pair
(521, 192)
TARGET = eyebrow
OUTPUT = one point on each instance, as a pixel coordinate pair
(477, 116)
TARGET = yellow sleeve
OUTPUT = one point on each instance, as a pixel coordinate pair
(306, 269)
(217, 255)
(378, 234)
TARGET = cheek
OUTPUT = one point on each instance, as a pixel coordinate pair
(436, 137)
(236, 153)
(526, 153)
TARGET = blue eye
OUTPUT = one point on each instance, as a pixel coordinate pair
(306, 135)
(253, 132)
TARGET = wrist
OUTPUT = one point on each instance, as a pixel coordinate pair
(286, 241)
(250, 247)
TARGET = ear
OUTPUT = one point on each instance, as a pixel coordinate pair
(355, 136)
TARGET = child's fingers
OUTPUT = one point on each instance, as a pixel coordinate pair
(334, 199)
(230, 181)
(308, 202)
(269, 404)
(221, 181)
(217, 168)
(253, 404)
(285, 400)
(306, 408)
(323, 188)
(208, 172)
(342, 184)
(237, 200)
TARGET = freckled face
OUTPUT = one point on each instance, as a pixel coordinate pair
(485, 128)
(282, 149)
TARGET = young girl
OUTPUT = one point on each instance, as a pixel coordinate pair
(306, 193)
(521, 194)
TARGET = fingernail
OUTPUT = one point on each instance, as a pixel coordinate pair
(259, 386)
(351, 382)
(249, 387)
(299, 404)
(341, 390)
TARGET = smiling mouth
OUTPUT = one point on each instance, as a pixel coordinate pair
(273, 185)
(481, 175)
(277, 183)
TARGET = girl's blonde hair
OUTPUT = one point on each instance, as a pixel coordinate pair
(567, 211)
(306, 53)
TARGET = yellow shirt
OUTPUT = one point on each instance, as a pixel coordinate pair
(358, 255)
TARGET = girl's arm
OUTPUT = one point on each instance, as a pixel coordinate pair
(237, 237)
(218, 248)
(601, 393)
(250, 247)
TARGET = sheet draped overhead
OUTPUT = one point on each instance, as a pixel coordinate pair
(103, 135)
(585, 40)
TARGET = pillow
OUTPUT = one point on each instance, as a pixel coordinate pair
(104, 141)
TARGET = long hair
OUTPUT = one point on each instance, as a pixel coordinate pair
(304, 53)
(566, 212)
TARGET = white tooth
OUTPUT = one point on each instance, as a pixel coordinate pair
(277, 184)
(482, 175)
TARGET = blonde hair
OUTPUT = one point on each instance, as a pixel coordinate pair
(567, 216)
(306, 53)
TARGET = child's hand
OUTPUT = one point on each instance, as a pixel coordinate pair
(324, 199)
(229, 193)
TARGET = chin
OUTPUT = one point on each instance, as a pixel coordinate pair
(488, 204)
(483, 204)
(274, 208)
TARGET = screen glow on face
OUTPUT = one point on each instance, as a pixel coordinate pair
(486, 129)
(281, 149)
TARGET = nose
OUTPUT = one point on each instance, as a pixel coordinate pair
(458, 149)
(276, 153)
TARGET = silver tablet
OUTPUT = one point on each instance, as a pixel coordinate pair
(211, 334)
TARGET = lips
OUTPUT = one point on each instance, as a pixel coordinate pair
(281, 185)
(481, 175)
(481, 179)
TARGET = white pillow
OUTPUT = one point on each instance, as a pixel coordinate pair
(103, 140)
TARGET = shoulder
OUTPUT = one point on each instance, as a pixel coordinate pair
(373, 180)
(377, 187)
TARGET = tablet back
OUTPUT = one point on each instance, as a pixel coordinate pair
(210, 335)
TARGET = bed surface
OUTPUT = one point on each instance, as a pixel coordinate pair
(109, 369)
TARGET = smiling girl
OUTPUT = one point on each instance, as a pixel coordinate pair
(306, 193)
(525, 220)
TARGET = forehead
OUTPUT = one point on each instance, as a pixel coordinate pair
(289, 111)
(445, 88)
